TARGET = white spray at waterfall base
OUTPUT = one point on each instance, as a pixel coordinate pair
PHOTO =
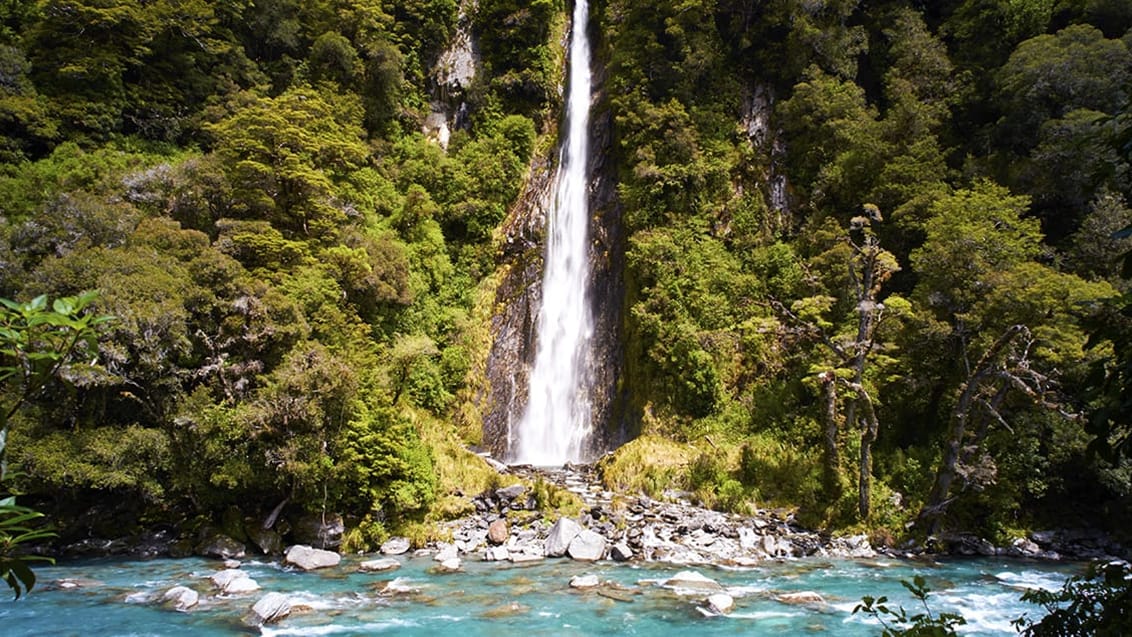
(557, 418)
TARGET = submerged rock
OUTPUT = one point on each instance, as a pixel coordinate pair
(584, 581)
(308, 558)
(399, 586)
(506, 610)
(692, 581)
(801, 597)
(379, 565)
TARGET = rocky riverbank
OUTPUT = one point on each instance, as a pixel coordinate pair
(510, 525)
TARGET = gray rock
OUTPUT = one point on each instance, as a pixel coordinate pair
(180, 598)
(587, 546)
(379, 565)
(222, 546)
(270, 608)
(450, 565)
(584, 581)
(511, 492)
(1024, 547)
(621, 552)
(233, 581)
(309, 558)
(560, 536)
(231, 563)
(497, 531)
(748, 539)
(497, 554)
(446, 552)
(718, 604)
(268, 541)
(395, 546)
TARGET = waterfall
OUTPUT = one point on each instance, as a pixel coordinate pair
(557, 418)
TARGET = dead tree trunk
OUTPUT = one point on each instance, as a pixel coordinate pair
(931, 515)
(831, 461)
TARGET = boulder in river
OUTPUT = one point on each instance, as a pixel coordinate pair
(717, 604)
(270, 608)
(180, 598)
(497, 554)
(584, 581)
(233, 581)
(560, 536)
(446, 552)
(621, 552)
(587, 546)
(692, 581)
(308, 558)
(450, 565)
(395, 546)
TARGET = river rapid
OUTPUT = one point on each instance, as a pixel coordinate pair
(122, 598)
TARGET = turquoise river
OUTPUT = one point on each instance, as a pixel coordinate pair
(101, 598)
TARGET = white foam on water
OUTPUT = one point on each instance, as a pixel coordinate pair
(745, 590)
(765, 614)
(334, 629)
(1027, 580)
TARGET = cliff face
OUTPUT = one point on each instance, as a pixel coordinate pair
(519, 296)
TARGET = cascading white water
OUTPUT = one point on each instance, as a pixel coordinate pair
(556, 421)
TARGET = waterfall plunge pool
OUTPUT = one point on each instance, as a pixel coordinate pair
(105, 597)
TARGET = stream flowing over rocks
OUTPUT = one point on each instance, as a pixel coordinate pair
(508, 526)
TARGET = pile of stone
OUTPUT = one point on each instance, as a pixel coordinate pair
(508, 526)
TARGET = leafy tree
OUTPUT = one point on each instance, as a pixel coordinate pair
(284, 155)
(853, 344)
(1049, 76)
(1097, 603)
(25, 115)
(838, 138)
(38, 345)
(1007, 320)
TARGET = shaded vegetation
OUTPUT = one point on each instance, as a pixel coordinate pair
(871, 251)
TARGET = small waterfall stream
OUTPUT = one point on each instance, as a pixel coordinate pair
(557, 418)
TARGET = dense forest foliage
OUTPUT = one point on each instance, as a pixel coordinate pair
(872, 251)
